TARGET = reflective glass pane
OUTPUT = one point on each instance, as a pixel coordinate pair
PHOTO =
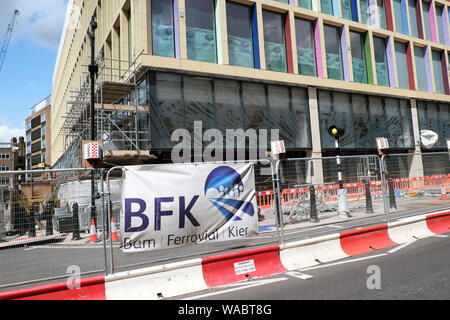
(170, 108)
(198, 102)
(440, 23)
(327, 117)
(358, 57)
(398, 16)
(305, 47)
(413, 18)
(326, 6)
(419, 55)
(426, 19)
(200, 30)
(274, 41)
(228, 105)
(381, 61)
(305, 4)
(377, 117)
(382, 20)
(361, 122)
(406, 117)
(437, 71)
(240, 39)
(393, 123)
(346, 8)
(402, 65)
(344, 118)
(300, 106)
(281, 116)
(162, 28)
(365, 11)
(333, 52)
(255, 108)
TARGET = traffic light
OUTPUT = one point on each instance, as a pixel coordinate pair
(336, 132)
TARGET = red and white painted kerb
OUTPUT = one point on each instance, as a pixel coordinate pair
(174, 279)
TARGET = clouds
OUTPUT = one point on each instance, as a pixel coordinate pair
(40, 21)
(7, 133)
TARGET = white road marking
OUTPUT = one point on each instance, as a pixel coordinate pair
(343, 262)
(243, 285)
(439, 235)
(333, 226)
(401, 246)
(299, 275)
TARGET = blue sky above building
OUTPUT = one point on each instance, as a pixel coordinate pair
(26, 76)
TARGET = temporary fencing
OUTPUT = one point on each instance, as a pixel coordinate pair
(52, 209)
(309, 188)
(45, 215)
(418, 180)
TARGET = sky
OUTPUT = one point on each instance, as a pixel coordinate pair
(26, 76)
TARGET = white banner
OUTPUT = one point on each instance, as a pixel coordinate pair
(182, 204)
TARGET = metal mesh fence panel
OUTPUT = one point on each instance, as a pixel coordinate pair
(47, 229)
(309, 189)
(420, 180)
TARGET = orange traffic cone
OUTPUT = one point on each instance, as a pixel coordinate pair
(114, 236)
(443, 193)
(93, 237)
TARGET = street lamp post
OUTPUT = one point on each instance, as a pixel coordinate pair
(93, 70)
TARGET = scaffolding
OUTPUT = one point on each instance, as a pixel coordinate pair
(122, 116)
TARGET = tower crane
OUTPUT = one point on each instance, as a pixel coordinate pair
(8, 37)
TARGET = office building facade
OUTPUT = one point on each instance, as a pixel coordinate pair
(378, 68)
(38, 134)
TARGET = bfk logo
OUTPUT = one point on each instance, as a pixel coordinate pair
(223, 188)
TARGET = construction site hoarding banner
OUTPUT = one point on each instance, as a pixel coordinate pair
(177, 205)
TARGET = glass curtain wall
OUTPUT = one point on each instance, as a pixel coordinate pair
(402, 65)
(365, 11)
(305, 4)
(227, 104)
(382, 19)
(426, 19)
(419, 57)
(163, 43)
(365, 118)
(440, 23)
(435, 117)
(333, 52)
(274, 41)
(358, 57)
(436, 57)
(240, 36)
(413, 23)
(201, 30)
(326, 6)
(397, 4)
(306, 56)
(346, 9)
(381, 65)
